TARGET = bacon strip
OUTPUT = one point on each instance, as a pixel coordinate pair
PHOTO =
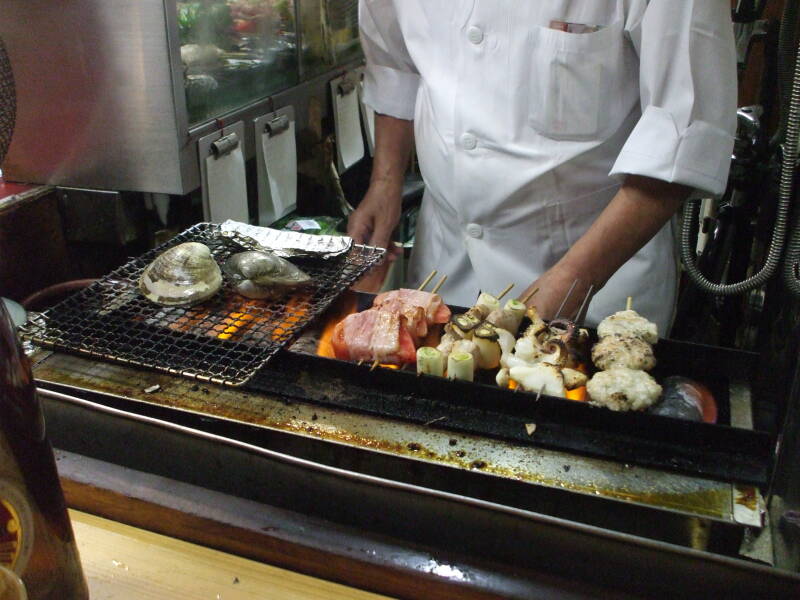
(374, 335)
(435, 310)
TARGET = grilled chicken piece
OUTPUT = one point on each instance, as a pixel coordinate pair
(573, 379)
(628, 323)
(622, 389)
(628, 352)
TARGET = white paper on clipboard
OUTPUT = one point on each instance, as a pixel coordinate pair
(277, 165)
(347, 123)
(368, 116)
(226, 186)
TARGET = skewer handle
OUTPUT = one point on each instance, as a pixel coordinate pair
(440, 284)
(629, 303)
(505, 291)
(374, 364)
(529, 296)
(427, 281)
(564, 301)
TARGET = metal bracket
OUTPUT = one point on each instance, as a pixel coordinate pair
(346, 86)
(276, 125)
(225, 145)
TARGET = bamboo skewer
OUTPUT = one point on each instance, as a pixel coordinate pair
(564, 301)
(529, 296)
(374, 364)
(629, 303)
(440, 284)
(539, 394)
(361, 362)
(505, 291)
(580, 316)
(427, 281)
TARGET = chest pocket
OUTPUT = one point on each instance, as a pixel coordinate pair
(577, 82)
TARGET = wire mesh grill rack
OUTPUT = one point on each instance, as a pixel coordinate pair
(224, 340)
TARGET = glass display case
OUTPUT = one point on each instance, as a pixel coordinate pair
(329, 34)
(117, 93)
(234, 53)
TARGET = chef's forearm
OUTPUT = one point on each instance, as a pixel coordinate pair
(393, 141)
(641, 207)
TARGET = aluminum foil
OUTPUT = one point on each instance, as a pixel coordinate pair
(288, 244)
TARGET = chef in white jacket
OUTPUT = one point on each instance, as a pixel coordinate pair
(556, 139)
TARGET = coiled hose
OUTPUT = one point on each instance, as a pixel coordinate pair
(691, 212)
(786, 49)
(791, 277)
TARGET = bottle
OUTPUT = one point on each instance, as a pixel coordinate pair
(36, 539)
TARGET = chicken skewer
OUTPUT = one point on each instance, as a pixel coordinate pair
(624, 353)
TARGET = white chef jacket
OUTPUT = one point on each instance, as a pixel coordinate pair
(523, 132)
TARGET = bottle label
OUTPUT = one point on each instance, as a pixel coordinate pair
(16, 527)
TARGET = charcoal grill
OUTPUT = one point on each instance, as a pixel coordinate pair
(224, 340)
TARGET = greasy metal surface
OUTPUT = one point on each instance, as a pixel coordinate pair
(224, 340)
(552, 469)
(511, 539)
(697, 449)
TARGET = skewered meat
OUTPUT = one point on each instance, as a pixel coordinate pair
(628, 323)
(623, 389)
(446, 343)
(374, 335)
(573, 379)
(542, 377)
(503, 378)
(416, 318)
(623, 351)
(436, 311)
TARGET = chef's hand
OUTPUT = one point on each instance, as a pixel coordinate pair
(376, 218)
(553, 288)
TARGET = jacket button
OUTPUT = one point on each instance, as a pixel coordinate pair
(475, 35)
(474, 230)
(469, 141)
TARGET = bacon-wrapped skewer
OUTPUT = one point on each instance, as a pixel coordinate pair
(374, 335)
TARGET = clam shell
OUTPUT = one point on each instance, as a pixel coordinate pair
(183, 275)
(263, 275)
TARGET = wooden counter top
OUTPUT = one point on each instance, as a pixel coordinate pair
(128, 563)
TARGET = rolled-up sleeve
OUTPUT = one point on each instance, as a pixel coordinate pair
(687, 79)
(390, 78)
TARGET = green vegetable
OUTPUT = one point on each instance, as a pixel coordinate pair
(460, 365)
(430, 361)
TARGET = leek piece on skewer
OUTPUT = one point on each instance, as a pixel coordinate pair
(430, 361)
(460, 365)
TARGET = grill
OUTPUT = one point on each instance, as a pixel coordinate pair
(716, 451)
(224, 340)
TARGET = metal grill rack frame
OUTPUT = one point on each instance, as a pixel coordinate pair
(224, 340)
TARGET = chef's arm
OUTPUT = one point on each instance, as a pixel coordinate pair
(378, 212)
(641, 207)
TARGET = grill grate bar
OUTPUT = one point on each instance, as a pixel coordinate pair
(224, 340)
